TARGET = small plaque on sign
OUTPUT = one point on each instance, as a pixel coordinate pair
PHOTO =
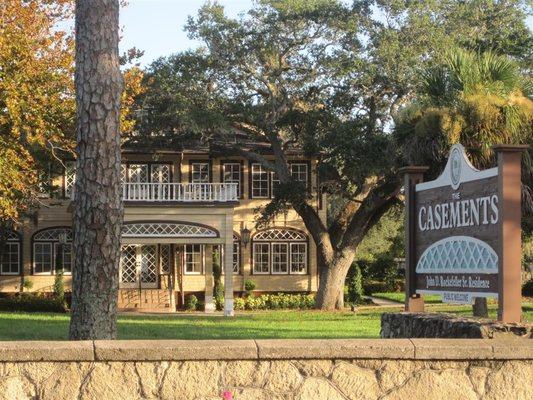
(457, 298)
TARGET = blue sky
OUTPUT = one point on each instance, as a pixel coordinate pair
(156, 26)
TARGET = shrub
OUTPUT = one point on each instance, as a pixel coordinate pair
(249, 285)
(239, 303)
(355, 287)
(27, 284)
(527, 288)
(218, 289)
(32, 303)
(370, 287)
(191, 302)
(277, 301)
(59, 286)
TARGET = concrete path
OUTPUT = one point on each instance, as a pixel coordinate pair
(385, 302)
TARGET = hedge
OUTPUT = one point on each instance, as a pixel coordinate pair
(32, 303)
(370, 287)
(275, 302)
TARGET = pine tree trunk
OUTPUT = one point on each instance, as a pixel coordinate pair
(330, 295)
(97, 203)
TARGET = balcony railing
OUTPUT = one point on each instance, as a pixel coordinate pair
(180, 192)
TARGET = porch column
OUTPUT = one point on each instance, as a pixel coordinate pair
(228, 270)
(209, 282)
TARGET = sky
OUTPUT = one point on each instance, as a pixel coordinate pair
(156, 26)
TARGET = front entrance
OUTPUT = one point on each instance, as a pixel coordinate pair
(138, 266)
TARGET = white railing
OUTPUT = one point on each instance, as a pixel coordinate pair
(182, 192)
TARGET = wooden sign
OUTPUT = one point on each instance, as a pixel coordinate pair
(463, 232)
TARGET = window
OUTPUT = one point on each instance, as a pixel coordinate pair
(260, 182)
(299, 172)
(200, 172)
(275, 183)
(138, 173)
(279, 251)
(10, 260)
(298, 258)
(193, 259)
(280, 258)
(261, 258)
(66, 256)
(160, 173)
(47, 251)
(231, 173)
(236, 257)
(42, 256)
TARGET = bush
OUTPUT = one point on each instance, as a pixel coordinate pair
(249, 285)
(191, 302)
(59, 287)
(218, 289)
(32, 303)
(370, 287)
(279, 301)
(355, 287)
(27, 284)
(527, 288)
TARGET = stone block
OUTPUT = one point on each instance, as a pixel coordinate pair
(47, 351)
(452, 349)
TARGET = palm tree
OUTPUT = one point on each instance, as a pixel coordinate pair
(478, 100)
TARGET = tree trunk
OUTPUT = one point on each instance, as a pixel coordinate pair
(479, 307)
(97, 203)
(330, 295)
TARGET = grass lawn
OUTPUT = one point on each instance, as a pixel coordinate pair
(365, 323)
(400, 297)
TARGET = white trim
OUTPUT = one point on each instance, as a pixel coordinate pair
(19, 260)
(287, 253)
(466, 170)
(306, 258)
(47, 243)
(254, 253)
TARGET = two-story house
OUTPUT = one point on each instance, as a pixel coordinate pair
(181, 209)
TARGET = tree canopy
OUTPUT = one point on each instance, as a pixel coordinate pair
(327, 77)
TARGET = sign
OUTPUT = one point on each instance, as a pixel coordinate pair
(457, 230)
(463, 229)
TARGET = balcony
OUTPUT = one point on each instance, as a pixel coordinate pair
(180, 192)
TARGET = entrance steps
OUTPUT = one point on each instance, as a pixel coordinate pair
(144, 299)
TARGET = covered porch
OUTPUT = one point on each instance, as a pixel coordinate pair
(162, 261)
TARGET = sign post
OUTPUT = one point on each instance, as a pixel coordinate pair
(509, 192)
(463, 232)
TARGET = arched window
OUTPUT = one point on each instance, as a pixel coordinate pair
(167, 229)
(52, 249)
(279, 251)
(11, 255)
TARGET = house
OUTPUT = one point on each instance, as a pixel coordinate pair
(182, 210)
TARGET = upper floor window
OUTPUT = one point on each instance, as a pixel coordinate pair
(52, 250)
(232, 173)
(70, 177)
(10, 259)
(279, 251)
(200, 172)
(260, 182)
(300, 172)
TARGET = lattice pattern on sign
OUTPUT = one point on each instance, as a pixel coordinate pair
(128, 265)
(53, 234)
(164, 258)
(279, 234)
(148, 264)
(70, 177)
(167, 229)
(458, 254)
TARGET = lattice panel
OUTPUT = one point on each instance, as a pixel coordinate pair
(458, 254)
(162, 229)
(148, 264)
(123, 173)
(12, 236)
(70, 177)
(279, 234)
(160, 173)
(164, 258)
(128, 265)
(53, 234)
(139, 173)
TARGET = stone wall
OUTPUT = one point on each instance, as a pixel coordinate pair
(268, 369)
(425, 325)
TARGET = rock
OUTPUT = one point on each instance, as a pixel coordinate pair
(245, 373)
(15, 388)
(314, 367)
(355, 382)
(255, 394)
(113, 380)
(394, 373)
(425, 325)
(435, 385)
(191, 379)
(318, 388)
(514, 380)
(283, 377)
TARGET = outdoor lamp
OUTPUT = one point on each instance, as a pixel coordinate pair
(62, 238)
(245, 236)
